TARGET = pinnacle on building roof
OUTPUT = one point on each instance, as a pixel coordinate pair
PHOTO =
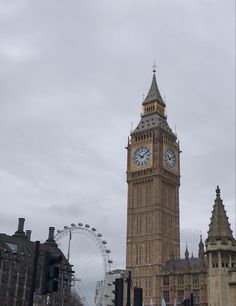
(154, 93)
(201, 244)
(219, 225)
(186, 252)
(201, 251)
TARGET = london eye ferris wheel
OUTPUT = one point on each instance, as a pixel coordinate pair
(88, 253)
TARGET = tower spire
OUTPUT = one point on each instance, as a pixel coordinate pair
(219, 225)
(201, 250)
(154, 93)
(186, 252)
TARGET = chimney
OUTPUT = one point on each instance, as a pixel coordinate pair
(50, 239)
(20, 231)
(28, 234)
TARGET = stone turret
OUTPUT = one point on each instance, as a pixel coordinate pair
(221, 252)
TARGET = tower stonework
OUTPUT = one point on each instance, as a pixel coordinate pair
(221, 252)
(153, 178)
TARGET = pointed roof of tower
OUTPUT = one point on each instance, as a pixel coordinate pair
(201, 251)
(154, 93)
(201, 244)
(186, 252)
(219, 225)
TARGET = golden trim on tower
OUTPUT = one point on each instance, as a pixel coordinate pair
(153, 107)
(136, 165)
(171, 156)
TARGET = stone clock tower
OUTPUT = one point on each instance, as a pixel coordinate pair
(153, 178)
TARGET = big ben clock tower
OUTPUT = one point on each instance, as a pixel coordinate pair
(153, 177)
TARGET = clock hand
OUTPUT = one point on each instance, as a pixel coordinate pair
(169, 156)
(145, 153)
(141, 155)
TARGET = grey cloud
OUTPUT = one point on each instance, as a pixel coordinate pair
(71, 81)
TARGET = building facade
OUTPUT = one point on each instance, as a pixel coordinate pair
(153, 243)
(16, 264)
(183, 277)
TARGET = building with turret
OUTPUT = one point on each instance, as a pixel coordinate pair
(181, 277)
(153, 226)
(210, 277)
(16, 266)
(221, 253)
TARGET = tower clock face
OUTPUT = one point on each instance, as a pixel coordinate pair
(142, 156)
(170, 158)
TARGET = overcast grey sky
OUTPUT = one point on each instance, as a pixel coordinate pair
(72, 77)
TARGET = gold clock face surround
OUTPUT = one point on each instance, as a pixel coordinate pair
(142, 156)
(170, 158)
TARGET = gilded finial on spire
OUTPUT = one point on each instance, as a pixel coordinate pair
(217, 192)
(154, 67)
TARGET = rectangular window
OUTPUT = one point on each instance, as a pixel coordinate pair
(196, 296)
(12, 247)
(135, 251)
(180, 279)
(166, 296)
(180, 296)
(195, 279)
(148, 252)
(166, 280)
(148, 287)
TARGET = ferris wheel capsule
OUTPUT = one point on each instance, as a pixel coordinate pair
(80, 224)
(87, 225)
(99, 235)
